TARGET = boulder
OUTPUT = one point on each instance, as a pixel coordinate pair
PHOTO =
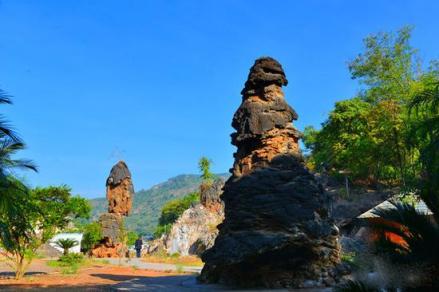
(194, 231)
(111, 226)
(276, 232)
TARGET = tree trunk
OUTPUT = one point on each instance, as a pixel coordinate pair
(20, 267)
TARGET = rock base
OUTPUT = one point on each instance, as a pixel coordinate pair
(276, 232)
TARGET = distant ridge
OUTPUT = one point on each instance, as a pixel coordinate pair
(147, 204)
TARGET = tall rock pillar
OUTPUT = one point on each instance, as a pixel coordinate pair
(276, 231)
(120, 192)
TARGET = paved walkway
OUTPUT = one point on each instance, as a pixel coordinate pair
(186, 283)
(138, 263)
(175, 282)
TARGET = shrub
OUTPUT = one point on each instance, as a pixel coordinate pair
(69, 264)
(172, 210)
(92, 235)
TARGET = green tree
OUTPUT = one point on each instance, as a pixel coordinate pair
(132, 237)
(369, 134)
(204, 166)
(33, 219)
(10, 143)
(66, 244)
(419, 232)
(172, 210)
(92, 235)
(58, 207)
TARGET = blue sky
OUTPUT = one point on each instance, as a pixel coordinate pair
(156, 83)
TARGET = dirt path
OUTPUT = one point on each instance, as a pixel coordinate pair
(98, 277)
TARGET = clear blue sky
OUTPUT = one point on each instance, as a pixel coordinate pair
(156, 83)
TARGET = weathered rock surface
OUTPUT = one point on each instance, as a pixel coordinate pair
(111, 226)
(120, 193)
(196, 229)
(106, 250)
(120, 190)
(276, 232)
(210, 195)
(110, 245)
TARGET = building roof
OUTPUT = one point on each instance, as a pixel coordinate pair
(420, 207)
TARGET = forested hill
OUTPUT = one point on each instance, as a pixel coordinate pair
(148, 203)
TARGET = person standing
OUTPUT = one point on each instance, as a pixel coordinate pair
(138, 246)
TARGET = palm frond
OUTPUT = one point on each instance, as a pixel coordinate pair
(9, 147)
(4, 97)
(419, 233)
(6, 130)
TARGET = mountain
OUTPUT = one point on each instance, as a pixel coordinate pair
(147, 204)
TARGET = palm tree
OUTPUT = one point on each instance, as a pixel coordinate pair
(66, 244)
(420, 233)
(10, 143)
(426, 130)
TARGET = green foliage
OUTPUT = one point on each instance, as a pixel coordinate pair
(58, 207)
(371, 134)
(132, 237)
(18, 223)
(66, 244)
(31, 220)
(10, 144)
(69, 263)
(420, 233)
(92, 235)
(425, 133)
(172, 210)
(162, 229)
(204, 166)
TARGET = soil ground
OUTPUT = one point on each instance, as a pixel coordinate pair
(94, 277)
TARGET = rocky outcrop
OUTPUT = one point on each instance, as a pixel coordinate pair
(120, 190)
(210, 195)
(196, 229)
(120, 193)
(111, 227)
(276, 231)
(108, 250)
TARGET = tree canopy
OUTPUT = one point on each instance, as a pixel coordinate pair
(370, 135)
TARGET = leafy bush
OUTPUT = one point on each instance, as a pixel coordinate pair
(132, 237)
(92, 235)
(69, 264)
(172, 210)
(71, 258)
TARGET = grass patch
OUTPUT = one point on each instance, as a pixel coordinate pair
(68, 264)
